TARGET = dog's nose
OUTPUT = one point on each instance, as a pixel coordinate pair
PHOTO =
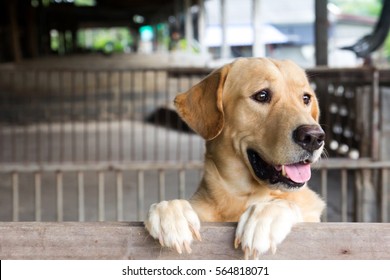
(309, 137)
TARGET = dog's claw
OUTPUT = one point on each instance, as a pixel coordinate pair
(160, 239)
(255, 255)
(273, 248)
(178, 248)
(237, 242)
(246, 253)
(187, 247)
(195, 233)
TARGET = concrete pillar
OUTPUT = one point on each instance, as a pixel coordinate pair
(321, 32)
(225, 49)
(189, 29)
(202, 26)
(258, 47)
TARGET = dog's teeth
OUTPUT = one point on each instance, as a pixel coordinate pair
(284, 173)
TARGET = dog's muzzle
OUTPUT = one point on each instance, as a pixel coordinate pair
(292, 176)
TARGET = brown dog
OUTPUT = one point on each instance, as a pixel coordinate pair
(260, 119)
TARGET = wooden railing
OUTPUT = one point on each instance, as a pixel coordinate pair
(75, 240)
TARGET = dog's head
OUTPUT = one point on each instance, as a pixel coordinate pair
(268, 110)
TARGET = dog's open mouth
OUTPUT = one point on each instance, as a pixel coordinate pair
(291, 175)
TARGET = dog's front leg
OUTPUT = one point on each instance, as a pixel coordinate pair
(174, 223)
(264, 225)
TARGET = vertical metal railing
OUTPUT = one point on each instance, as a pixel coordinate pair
(384, 196)
(60, 196)
(81, 196)
(38, 196)
(15, 196)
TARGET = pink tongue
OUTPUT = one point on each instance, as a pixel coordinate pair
(299, 173)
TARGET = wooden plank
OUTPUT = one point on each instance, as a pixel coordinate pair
(74, 240)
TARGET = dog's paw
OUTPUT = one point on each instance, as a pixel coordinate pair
(174, 223)
(265, 225)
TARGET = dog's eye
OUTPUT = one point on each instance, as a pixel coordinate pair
(262, 96)
(306, 98)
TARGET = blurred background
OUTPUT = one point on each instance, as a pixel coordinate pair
(87, 126)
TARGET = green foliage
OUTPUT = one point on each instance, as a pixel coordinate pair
(387, 47)
(106, 40)
(359, 7)
(85, 2)
(46, 3)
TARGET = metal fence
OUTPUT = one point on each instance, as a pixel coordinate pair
(103, 144)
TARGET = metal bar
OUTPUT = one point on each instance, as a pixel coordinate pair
(15, 196)
(73, 114)
(167, 121)
(375, 116)
(62, 122)
(155, 106)
(49, 94)
(359, 182)
(121, 118)
(140, 195)
(60, 196)
(145, 165)
(101, 199)
(81, 196)
(13, 136)
(174, 165)
(100, 166)
(37, 112)
(3, 104)
(143, 110)
(85, 113)
(362, 163)
(119, 196)
(108, 122)
(97, 139)
(344, 195)
(348, 74)
(182, 183)
(179, 127)
(384, 203)
(132, 115)
(25, 131)
(38, 197)
(161, 185)
(324, 192)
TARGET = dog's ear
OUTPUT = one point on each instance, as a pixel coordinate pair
(201, 106)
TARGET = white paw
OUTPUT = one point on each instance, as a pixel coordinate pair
(265, 225)
(174, 223)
